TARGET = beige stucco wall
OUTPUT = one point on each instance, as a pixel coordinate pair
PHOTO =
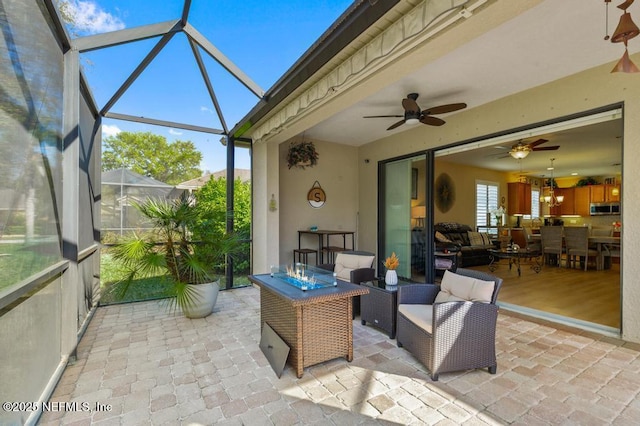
(581, 92)
(337, 174)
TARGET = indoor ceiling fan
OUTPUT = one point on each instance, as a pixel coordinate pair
(521, 149)
(413, 114)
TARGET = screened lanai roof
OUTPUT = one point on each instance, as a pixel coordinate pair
(200, 65)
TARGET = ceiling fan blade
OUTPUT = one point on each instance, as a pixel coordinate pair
(382, 116)
(394, 125)
(546, 148)
(410, 105)
(443, 109)
(538, 142)
(432, 121)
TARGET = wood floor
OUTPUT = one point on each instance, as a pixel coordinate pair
(592, 296)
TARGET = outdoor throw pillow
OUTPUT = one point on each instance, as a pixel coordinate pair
(345, 263)
(455, 287)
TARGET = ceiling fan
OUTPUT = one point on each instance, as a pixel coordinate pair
(413, 114)
(521, 150)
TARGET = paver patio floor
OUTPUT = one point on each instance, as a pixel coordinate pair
(154, 367)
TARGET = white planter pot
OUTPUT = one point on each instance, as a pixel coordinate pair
(205, 297)
(391, 277)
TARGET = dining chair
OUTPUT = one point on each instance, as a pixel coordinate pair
(576, 240)
(551, 243)
(532, 245)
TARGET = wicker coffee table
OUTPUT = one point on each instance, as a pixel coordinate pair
(317, 325)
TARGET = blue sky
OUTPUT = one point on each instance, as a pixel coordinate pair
(263, 38)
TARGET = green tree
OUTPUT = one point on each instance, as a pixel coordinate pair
(151, 155)
(212, 200)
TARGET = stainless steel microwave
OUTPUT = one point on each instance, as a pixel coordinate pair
(601, 209)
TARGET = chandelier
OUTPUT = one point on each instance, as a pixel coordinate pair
(551, 198)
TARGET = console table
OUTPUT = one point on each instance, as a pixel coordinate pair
(317, 325)
(323, 241)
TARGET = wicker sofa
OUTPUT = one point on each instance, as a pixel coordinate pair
(473, 253)
(452, 326)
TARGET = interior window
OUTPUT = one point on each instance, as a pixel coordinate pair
(486, 203)
(535, 204)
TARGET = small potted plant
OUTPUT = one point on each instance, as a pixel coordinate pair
(302, 154)
(188, 265)
(391, 263)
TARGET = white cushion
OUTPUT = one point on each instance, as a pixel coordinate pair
(420, 315)
(455, 287)
(345, 263)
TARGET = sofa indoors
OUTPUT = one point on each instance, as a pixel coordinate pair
(472, 245)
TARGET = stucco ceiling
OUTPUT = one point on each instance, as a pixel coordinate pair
(554, 39)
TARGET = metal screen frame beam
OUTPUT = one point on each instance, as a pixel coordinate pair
(164, 123)
(225, 62)
(207, 82)
(136, 73)
(115, 38)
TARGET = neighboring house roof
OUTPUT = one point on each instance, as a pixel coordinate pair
(243, 174)
(129, 178)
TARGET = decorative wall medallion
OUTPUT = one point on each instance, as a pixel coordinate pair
(445, 192)
(316, 196)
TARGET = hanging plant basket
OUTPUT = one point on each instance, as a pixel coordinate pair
(302, 154)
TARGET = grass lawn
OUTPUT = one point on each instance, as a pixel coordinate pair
(19, 261)
(141, 289)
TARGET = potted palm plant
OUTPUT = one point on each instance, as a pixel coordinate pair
(190, 266)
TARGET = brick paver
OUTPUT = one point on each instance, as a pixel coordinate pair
(155, 367)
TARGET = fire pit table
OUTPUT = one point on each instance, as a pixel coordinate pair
(315, 322)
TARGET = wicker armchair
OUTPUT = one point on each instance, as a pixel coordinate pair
(449, 336)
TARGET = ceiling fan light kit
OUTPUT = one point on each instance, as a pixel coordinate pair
(414, 115)
(625, 31)
(520, 151)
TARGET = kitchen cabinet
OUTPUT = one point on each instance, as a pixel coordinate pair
(582, 199)
(519, 194)
(605, 193)
(568, 206)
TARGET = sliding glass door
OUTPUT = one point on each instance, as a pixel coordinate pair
(402, 211)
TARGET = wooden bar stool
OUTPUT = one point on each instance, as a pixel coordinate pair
(303, 255)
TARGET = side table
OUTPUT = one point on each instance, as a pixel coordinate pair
(380, 306)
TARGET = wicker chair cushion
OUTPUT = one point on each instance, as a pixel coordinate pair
(455, 287)
(345, 263)
(420, 315)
